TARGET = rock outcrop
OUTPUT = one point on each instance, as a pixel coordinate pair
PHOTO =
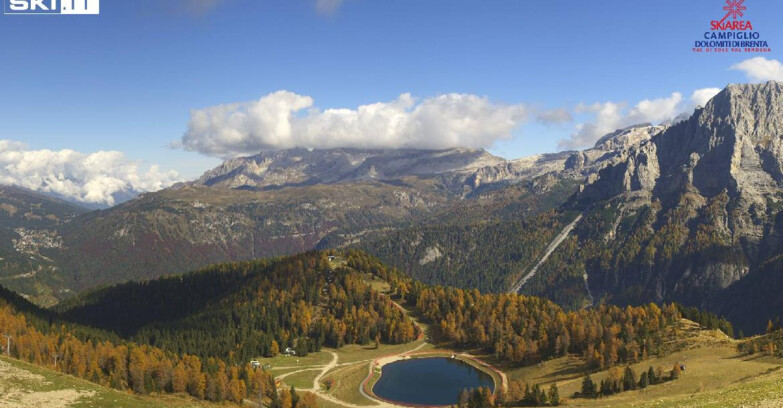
(733, 144)
(461, 170)
(300, 167)
(715, 185)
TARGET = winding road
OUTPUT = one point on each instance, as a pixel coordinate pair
(333, 363)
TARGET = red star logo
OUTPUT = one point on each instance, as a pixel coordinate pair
(734, 8)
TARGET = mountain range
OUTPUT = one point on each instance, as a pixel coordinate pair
(686, 211)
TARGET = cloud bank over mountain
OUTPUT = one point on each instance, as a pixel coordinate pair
(99, 178)
(284, 120)
(607, 117)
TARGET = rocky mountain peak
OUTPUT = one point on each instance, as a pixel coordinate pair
(300, 166)
(627, 137)
(732, 145)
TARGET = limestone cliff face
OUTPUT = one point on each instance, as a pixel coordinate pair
(733, 144)
(720, 175)
(580, 166)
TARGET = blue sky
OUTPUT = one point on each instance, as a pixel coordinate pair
(127, 80)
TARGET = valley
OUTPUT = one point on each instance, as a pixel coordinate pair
(289, 279)
(390, 204)
(344, 376)
(665, 216)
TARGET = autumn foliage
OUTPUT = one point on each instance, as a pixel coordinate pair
(141, 369)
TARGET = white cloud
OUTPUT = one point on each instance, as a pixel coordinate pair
(610, 116)
(94, 178)
(328, 6)
(284, 120)
(607, 117)
(655, 110)
(760, 69)
(700, 97)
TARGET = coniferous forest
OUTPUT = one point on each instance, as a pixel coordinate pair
(526, 329)
(237, 311)
(124, 365)
(196, 333)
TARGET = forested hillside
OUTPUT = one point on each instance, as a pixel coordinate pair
(29, 240)
(239, 311)
(196, 333)
(486, 256)
(126, 366)
(638, 255)
(525, 329)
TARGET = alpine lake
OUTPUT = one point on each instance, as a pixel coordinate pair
(431, 381)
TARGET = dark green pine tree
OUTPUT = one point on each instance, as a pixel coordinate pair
(606, 388)
(643, 380)
(554, 395)
(588, 387)
(629, 379)
(294, 397)
(651, 376)
(539, 396)
(528, 398)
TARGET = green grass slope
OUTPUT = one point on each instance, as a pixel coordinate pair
(24, 385)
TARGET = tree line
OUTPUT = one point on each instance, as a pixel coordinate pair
(523, 329)
(142, 369)
(534, 396)
(621, 380)
(770, 344)
(238, 311)
(196, 333)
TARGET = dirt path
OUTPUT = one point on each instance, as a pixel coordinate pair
(316, 389)
(549, 250)
(381, 361)
(286, 375)
(332, 364)
(407, 313)
(323, 369)
(377, 362)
